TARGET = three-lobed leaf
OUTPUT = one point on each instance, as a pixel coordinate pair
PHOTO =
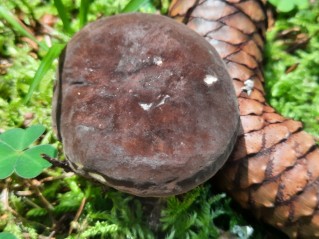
(7, 160)
(7, 235)
(17, 156)
(19, 139)
(31, 163)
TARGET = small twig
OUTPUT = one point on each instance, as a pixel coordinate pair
(57, 163)
(55, 34)
(78, 214)
(9, 209)
(4, 197)
(45, 202)
(24, 220)
(53, 178)
(51, 234)
(28, 201)
(24, 193)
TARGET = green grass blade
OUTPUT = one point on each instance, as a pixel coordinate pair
(11, 19)
(44, 67)
(84, 9)
(133, 5)
(63, 15)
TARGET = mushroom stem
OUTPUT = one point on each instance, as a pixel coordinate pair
(153, 207)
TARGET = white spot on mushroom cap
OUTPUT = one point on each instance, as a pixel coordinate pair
(145, 106)
(158, 60)
(209, 80)
(162, 102)
(84, 128)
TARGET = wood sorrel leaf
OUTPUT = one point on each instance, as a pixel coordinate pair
(17, 156)
(7, 160)
(7, 235)
(20, 139)
(30, 164)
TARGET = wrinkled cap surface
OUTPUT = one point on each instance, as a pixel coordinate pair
(145, 105)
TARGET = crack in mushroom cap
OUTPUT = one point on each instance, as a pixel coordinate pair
(145, 105)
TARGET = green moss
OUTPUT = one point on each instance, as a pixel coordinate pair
(295, 94)
(200, 213)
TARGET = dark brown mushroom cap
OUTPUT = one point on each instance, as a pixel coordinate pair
(145, 105)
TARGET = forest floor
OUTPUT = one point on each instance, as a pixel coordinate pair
(58, 204)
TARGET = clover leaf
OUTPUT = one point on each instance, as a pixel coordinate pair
(17, 155)
(7, 235)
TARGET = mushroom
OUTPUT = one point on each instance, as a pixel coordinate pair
(145, 105)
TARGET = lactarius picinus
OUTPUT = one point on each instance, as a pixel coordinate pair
(145, 105)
